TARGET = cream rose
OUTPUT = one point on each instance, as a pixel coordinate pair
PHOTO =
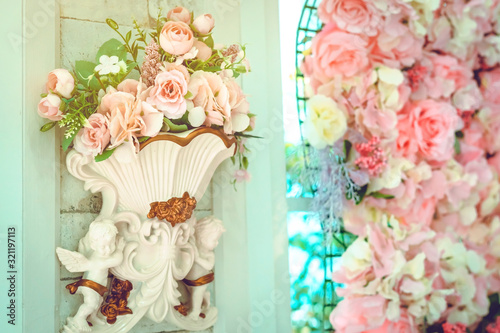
(179, 14)
(326, 122)
(176, 38)
(168, 94)
(94, 137)
(204, 24)
(60, 81)
(49, 107)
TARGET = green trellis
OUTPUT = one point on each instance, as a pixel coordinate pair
(309, 26)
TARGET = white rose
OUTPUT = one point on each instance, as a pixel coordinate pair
(326, 122)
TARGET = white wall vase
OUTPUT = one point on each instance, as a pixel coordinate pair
(157, 254)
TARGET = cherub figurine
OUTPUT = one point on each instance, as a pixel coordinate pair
(107, 252)
(207, 234)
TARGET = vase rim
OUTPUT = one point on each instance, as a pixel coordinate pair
(184, 138)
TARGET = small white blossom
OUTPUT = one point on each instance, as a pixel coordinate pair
(108, 65)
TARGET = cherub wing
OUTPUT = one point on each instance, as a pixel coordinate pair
(74, 261)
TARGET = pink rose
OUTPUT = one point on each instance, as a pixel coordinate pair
(181, 68)
(356, 16)
(176, 38)
(131, 86)
(60, 81)
(179, 14)
(93, 139)
(210, 92)
(49, 107)
(403, 325)
(337, 53)
(168, 94)
(204, 52)
(490, 86)
(130, 118)
(429, 127)
(204, 24)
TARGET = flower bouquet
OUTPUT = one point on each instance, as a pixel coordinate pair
(404, 120)
(185, 81)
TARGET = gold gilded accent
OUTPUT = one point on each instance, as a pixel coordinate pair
(175, 210)
(182, 309)
(73, 287)
(117, 300)
(206, 279)
(183, 142)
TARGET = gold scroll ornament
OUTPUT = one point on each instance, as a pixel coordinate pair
(205, 279)
(117, 300)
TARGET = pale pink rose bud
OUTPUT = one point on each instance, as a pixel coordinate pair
(131, 86)
(60, 81)
(204, 24)
(176, 38)
(94, 137)
(49, 107)
(204, 52)
(242, 175)
(179, 14)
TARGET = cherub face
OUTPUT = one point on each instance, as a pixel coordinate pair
(210, 242)
(104, 247)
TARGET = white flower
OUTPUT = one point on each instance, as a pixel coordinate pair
(391, 177)
(326, 122)
(191, 54)
(196, 116)
(357, 258)
(108, 65)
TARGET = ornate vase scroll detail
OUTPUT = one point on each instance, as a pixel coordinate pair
(141, 193)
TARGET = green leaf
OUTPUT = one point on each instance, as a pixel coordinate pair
(347, 149)
(67, 141)
(458, 150)
(128, 36)
(143, 139)
(48, 126)
(245, 163)
(112, 47)
(248, 136)
(175, 128)
(188, 95)
(209, 41)
(379, 195)
(85, 74)
(105, 155)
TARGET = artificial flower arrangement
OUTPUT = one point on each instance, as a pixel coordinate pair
(186, 81)
(404, 119)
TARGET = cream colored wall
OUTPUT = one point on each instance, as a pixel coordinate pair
(82, 31)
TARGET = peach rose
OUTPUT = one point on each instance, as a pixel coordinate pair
(131, 86)
(210, 92)
(337, 53)
(92, 139)
(169, 66)
(204, 24)
(60, 81)
(176, 38)
(239, 120)
(429, 127)
(179, 14)
(356, 16)
(168, 94)
(49, 107)
(130, 118)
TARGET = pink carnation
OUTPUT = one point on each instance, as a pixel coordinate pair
(454, 328)
(359, 314)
